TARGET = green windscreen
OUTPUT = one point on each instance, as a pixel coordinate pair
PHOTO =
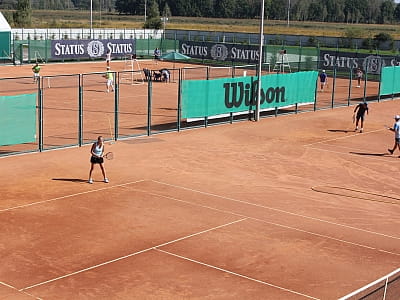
(17, 119)
(203, 98)
(390, 79)
(5, 42)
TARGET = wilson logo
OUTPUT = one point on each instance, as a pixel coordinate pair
(237, 93)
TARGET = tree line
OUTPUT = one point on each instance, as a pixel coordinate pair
(343, 11)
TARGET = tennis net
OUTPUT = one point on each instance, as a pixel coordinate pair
(385, 288)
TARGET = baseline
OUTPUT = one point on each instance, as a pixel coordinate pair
(278, 210)
(69, 196)
(275, 224)
(130, 255)
(342, 137)
(235, 274)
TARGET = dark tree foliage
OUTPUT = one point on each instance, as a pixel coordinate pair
(349, 11)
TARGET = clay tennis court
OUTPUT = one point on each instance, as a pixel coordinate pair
(294, 207)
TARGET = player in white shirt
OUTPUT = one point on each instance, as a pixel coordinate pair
(396, 130)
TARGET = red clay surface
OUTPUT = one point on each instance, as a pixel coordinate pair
(226, 212)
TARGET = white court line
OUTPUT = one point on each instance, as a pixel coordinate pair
(237, 274)
(267, 222)
(278, 210)
(351, 154)
(343, 137)
(68, 196)
(15, 289)
(132, 254)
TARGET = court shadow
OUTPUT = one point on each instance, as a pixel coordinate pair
(96, 91)
(340, 130)
(369, 154)
(70, 179)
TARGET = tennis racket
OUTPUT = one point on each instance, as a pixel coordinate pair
(387, 127)
(109, 155)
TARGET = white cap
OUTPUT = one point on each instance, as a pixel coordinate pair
(323, 71)
(397, 117)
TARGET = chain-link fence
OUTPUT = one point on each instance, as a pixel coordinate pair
(76, 109)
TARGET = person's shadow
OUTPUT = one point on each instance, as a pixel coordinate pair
(341, 130)
(370, 154)
(70, 179)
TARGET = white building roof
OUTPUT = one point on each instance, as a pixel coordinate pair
(4, 26)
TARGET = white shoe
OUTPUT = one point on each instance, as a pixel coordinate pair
(358, 86)
(90, 180)
(106, 180)
(361, 130)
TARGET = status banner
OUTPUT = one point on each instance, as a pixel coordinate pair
(71, 49)
(221, 52)
(205, 98)
(344, 61)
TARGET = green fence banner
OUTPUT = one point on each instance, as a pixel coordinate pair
(17, 119)
(204, 98)
(390, 81)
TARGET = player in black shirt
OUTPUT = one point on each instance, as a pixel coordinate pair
(360, 109)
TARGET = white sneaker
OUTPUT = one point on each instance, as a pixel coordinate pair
(106, 180)
(90, 180)
(361, 130)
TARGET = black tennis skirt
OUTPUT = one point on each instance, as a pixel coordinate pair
(96, 160)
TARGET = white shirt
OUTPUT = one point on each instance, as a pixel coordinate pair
(98, 150)
(396, 128)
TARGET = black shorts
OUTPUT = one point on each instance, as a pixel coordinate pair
(96, 160)
(360, 116)
(397, 140)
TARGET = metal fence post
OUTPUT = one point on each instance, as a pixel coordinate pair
(40, 114)
(179, 100)
(80, 110)
(365, 83)
(149, 99)
(116, 106)
(333, 88)
(350, 84)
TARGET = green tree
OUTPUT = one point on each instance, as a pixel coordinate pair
(225, 8)
(277, 10)
(153, 16)
(23, 14)
(386, 12)
(397, 13)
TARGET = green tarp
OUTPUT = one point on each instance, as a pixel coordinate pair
(390, 81)
(17, 119)
(204, 98)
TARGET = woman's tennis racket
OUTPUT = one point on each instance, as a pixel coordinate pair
(109, 155)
